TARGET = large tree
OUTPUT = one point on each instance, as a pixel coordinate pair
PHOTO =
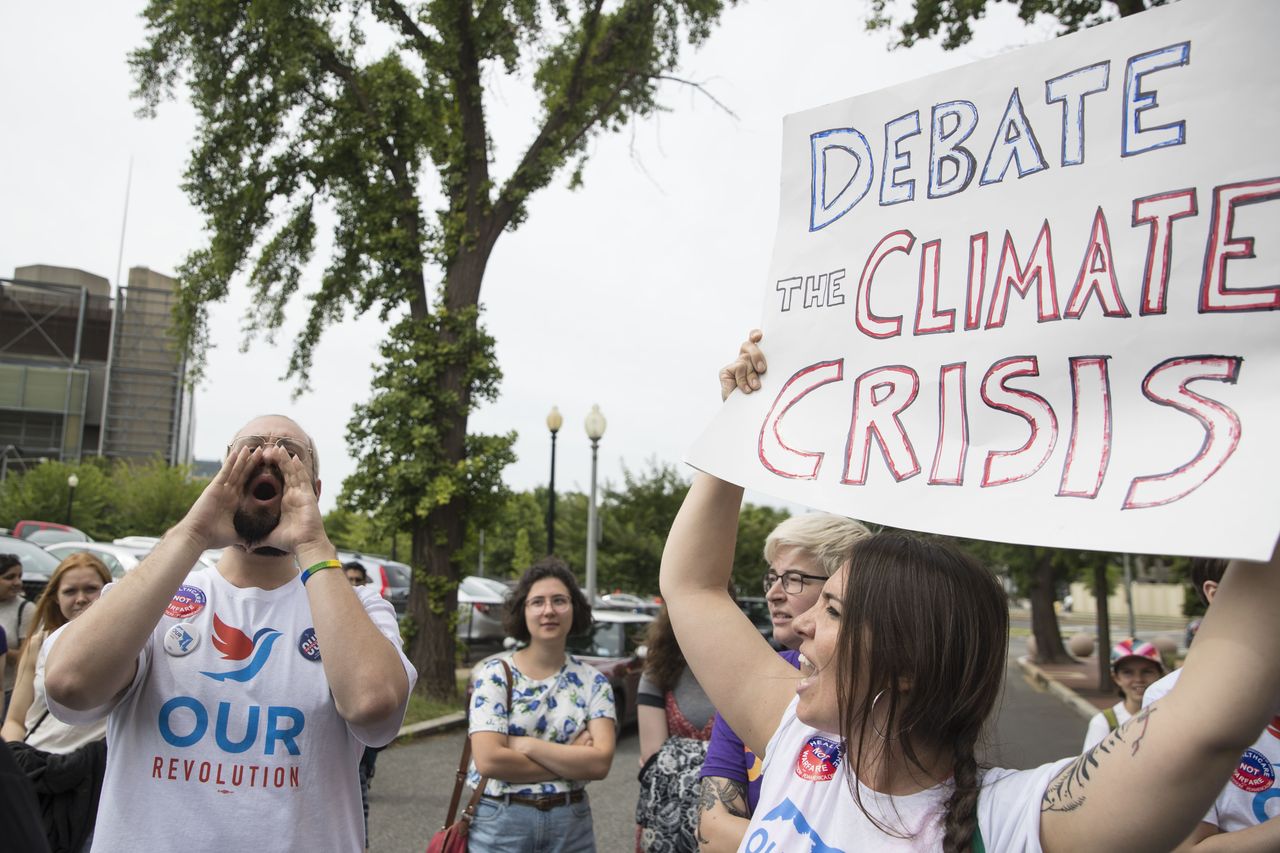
(954, 18)
(371, 110)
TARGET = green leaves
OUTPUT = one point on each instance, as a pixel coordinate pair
(111, 500)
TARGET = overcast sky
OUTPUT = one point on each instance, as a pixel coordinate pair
(629, 292)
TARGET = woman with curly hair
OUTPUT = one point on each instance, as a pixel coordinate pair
(674, 717)
(557, 734)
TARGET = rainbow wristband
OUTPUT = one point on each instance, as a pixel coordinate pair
(319, 567)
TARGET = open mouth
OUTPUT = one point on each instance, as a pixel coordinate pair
(265, 487)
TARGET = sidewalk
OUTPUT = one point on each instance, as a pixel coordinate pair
(1075, 684)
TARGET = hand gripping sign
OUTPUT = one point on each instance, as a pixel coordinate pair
(1035, 299)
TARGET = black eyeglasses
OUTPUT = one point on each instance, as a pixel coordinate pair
(792, 582)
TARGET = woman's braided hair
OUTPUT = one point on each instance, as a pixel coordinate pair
(962, 806)
(925, 628)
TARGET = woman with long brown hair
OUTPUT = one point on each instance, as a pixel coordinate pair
(903, 656)
(675, 718)
(44, 746)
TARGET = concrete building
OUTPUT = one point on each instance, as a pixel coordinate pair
(85, 372)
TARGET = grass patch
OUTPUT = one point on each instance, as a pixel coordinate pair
(1019, 631)
(421, 708)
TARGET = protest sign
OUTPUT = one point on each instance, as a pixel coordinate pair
(1034, 299)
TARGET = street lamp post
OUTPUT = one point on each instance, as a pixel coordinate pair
(72, 482)
(595, 429)
(554, 422)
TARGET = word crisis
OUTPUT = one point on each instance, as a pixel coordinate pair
(882, 394)
(1020, 272)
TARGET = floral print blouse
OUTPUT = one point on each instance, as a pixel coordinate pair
(554, 709)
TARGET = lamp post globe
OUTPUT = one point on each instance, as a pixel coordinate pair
(595, 425)
(72, 482)
(554, 421)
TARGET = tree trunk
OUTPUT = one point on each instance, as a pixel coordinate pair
(1104, 627)
(438, 538)
(1044, 622)
(432, 649)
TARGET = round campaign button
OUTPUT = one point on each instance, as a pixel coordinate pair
(186, 602)
(307, 645)
(181, 639)
(1254, 773)
(818, 761)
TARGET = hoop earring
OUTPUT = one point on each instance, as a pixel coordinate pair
(877, 731)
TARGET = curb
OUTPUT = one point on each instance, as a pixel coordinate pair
(432, 727)
(1064, 694)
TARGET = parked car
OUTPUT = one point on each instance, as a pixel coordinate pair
(614, 646)
(117, 558)
(627, 601)
(51, 530)
(480, 602)
(757, 610)
(389, 577)
(37, 564)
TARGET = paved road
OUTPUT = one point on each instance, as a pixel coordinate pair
(411, 790)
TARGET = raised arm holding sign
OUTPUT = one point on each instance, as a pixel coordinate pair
(902, 664)
(1035, 299)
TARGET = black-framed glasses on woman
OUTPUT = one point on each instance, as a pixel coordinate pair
(792, 582)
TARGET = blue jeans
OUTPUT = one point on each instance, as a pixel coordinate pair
(501, 827)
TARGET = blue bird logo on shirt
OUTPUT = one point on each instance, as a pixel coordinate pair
(236, 645)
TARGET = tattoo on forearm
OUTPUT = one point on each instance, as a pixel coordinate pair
(1067, 792)
(727, 792)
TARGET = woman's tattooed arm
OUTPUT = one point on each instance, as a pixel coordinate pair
(728, 793)
(1067, 791)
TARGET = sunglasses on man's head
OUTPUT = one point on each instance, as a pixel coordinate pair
(289, 445)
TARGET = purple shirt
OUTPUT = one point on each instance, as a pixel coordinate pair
(729, 758)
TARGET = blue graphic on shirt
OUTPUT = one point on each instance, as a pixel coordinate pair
(787, 812)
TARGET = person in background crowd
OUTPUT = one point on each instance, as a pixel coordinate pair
(64, 762)
(557, 734)
(1135, 666)
(1246, 815)
(801, 553)
(674, 717)
(357, 576)
(15, 618)
(19, 809)
(240, 696)
(902, 663)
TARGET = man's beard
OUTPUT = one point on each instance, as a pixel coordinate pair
(254, 526)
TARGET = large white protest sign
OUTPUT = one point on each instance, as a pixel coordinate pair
(1034, 299)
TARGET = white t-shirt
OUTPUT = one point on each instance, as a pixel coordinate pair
(15, 617)
(228, 738)
(806, 802)
(1252, 795)
(554, 709)
(1099, 727)
(51, 734)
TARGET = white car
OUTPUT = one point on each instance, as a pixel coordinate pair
(117, 558)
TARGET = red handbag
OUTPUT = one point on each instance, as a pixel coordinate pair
(452, 836)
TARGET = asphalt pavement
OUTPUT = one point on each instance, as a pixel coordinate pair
(414, 779)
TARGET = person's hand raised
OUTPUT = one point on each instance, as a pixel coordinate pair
(210, 517)
(744, 371)
(301, 525)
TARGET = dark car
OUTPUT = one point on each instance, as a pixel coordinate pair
(615, 646)
(389, 577)
(37, 564)
(757, 610)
